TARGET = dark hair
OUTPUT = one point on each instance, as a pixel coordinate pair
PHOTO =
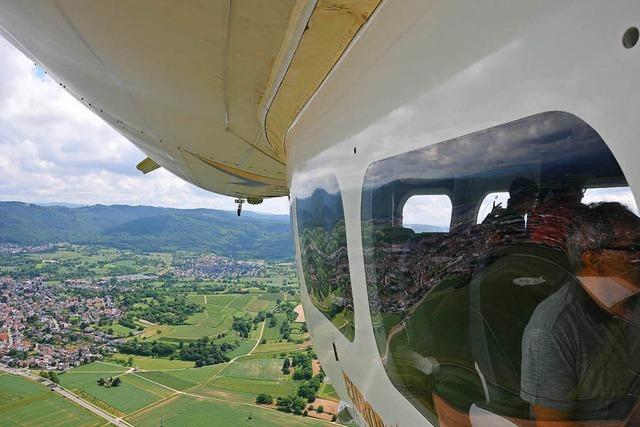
(594, 230)
(522, 186)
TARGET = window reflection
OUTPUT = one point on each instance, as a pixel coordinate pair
(622, 195)
(490, 203)
(427, 213)
(323, 250)
(526, 309)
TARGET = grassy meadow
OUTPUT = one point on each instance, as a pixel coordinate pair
(185, 395)
(216, 319)
(190, 411)
(25, 403)
(132, 394)
(182, 379)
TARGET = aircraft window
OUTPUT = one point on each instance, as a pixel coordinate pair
(525, 310)
(323, 250)
(427, 213)
(621, 195)
(493, 202)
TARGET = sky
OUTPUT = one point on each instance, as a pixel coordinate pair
(53, 149)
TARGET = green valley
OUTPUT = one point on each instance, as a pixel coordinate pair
(183, 336)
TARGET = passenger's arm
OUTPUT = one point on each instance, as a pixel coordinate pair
(549, 417)
(548, 377)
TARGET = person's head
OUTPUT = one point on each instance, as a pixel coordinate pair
(603, 246)
(523, 193)
(568, 192)
(571, 194)
(607, 232)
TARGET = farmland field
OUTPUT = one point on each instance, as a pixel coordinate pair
(98, 262)
(26, 403)
(212, 391)
(242, 349)
(131, 395)
(118, 329)
(277, 347)
(151, 363)
(197, 298)
(182, 379)
(220, 300)
(197, 412)
(273, 332)
(241, 301)
(244, 389)
(257, 304)
(100, 367)
(216, 319)
(259, 369)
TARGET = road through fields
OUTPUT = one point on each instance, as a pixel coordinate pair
(69, 395)
(215, 399)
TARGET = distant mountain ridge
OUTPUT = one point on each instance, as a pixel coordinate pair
(66, 205)
(149, 228)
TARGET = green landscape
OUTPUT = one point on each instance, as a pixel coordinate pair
(171, 336)
(27, 403)
(177, 389)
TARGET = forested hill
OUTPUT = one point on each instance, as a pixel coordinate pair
(149, 228)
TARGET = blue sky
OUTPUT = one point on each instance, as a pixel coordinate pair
(53, 149)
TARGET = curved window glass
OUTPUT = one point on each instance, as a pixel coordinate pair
(526, 308)
(323, 250)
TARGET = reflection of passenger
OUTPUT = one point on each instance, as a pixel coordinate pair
(576, 357)
(559, 207)
(510, 222)
(522, 196)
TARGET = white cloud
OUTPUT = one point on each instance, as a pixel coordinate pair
(432, 209)
(53, 149)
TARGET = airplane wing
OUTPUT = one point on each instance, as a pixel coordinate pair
(206, 89)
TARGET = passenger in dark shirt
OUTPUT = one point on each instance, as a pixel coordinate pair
(579, 347)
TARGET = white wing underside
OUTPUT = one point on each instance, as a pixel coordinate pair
(207, 89)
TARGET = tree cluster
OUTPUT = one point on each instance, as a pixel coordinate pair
(309, 389)
(264, 399)
(286, 366)
(293, 404)
(129, 323)
(285, 329)
(242, 326)
(147, 348)
(159, 308)
(272, 322)
(202, 352)
(109, 382)
(288, 309)
(51, 376)
(302, 364)
(205, 352)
